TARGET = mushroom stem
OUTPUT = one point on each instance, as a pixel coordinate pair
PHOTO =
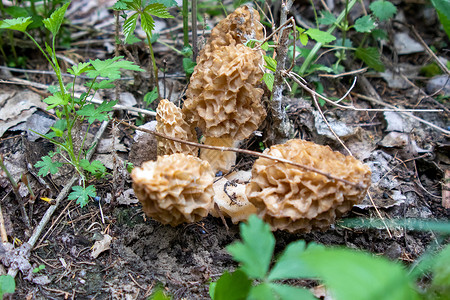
(219, 160)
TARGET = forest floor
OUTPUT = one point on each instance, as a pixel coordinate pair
(409, 159)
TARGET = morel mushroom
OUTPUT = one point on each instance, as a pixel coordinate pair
(174, 189)
(294, 199)
(222, 97)
(170, 121)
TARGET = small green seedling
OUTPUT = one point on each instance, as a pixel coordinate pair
(72, 111)
(39, 268)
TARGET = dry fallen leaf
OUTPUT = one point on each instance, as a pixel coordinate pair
(101, 246)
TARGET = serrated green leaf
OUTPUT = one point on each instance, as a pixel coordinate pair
(7, 285)
(269, 79)
(122, 4)
(350, 274)
(371, 57)
(79, 69)
(53, 23)
(130, 25)
(271, 63)
(158, 10)
(255, 252)
(364, 24)
(320, 36)
(327, 18)
(95, 167)
(234, 286)
(46, 165)
(166, 3)
(99, 113)
(383, 10)
(110, 68)
(98, 85)
(19, 24)
(287, 292)
(82, 195)
(147, 23)
(56, 99)
(379, 34)
(290, 264)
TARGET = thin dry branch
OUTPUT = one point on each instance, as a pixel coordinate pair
(244, 151)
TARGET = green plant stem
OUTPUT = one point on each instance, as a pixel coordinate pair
(186, 23)
(155, 68)
(194, 30)
(318, 45)
(344, 31)
(13, 45)
(42, 50)
(171, 47)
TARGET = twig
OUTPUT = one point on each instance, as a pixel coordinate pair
(244, 151)
(429, 51)
(279, 128)
(378, 213)
(328, 124)
(48, 214)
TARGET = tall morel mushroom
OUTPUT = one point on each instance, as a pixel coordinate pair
(291, 198)
(223, 99)
(174, 189)
(170, 121)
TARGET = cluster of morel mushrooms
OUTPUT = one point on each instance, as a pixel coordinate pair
(224, 102)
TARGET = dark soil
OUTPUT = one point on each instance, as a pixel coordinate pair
(408, 179)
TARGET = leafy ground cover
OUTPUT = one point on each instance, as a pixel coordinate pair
(99, 244)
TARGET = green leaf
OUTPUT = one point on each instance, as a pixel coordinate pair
(379, 34)
(232, 286)
(188, 65)
(7, 285)
(290, 264)
(166, 3)
(371, 57)
(364, 24)
(255, 252)
(269, 79)
(98, 85)
(79, 69)
(441, 269)
(383, 10)
(151, 96)
(122, 5)
(260, 292)
(17, 12)
(98, 113)
(56, 99)
(147, 23)
(54, 22)
(302, 36)
(96, 167)
(445, 21)
(82, 195)
(130, 25)
(265, 46)
(110, 68)
(271, 63)
(19, 24)
(158, 10)
(442, 7)
(327, 18)
(159, 295)
(320, 36)
(46, 165)
(57, 130)
(287, 292)
(357, 275)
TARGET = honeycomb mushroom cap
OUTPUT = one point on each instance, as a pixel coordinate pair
(290, 198)
(222, 98)
(174, 189)
(170, 121)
